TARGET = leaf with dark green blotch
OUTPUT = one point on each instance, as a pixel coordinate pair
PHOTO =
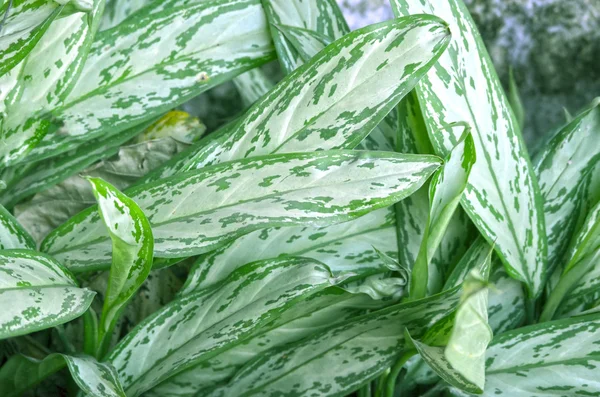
(12, 234)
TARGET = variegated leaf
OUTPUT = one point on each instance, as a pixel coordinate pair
(55, 205)
(502, 197)
(345, 248)
(340, 359)
(564, 168)
(320, 311)
(193, 329)
(336, 99)
(96, 379)
(36, 292)
(45, 79)
(132, 247)
(445, 192)
(556, 358)
(252, 85)
(118, 10)
(321, 16)
(242, 196)
(12, 234)
(154, 62)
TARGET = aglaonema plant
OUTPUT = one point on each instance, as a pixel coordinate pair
(371, 224)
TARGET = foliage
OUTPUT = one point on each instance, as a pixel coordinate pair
(371, 224)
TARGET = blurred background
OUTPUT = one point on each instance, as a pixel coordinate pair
(553, 47)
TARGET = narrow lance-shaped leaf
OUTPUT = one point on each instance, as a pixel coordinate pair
(502, 197)
(36, 292)
(132, 247)
(12, 234)
(336, 99)
(369, 344)
(319, 312)
(461, 362)
(565, 168)
(21, 373)
(46, 77)
(189, 331)
(346, 248)
(242, 196)
(149, 64)
(445, 191)
(559, 357)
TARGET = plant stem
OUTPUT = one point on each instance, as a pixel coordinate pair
(564, 286)
(365, 391)
(381, 383)
(390, 385)
(90, 332)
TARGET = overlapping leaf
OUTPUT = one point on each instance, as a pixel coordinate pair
(36, 292)
(242, 196)
(154, 62)
(195, 328)
(502, 197)
(12, 234)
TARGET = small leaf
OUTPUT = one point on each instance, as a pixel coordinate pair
(12, 234)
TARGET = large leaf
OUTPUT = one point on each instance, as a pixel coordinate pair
(195, 328)
(36, 292)
(132, 247)
(154, 62)
(564, 168)
(557, 358)
(12, 234)
(20, 373)
(340, 359)
(46, 77)
(502, 197)
(336, 99)
(242, 196)
(345, 248)
(318, 312)
(445, 191)
(55, 205)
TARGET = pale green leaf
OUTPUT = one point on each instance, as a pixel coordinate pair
(239, 197)
(12, 234)
(96, 379)
(252, 85)
(515, 99)
(154, 62)
(36, 292)
(340, 359)
(193, 329)
(132, 247)
(502, 197)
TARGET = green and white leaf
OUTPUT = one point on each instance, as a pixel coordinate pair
(21, 373)
(52, 207)
(239, 197)
(340, 359)
(252, 85)
(445, 192)
(345, 248)
(147, 65)
(12, 234)
(46, 77)
(502, 197)
(336, 99)
(118, 10)
(193, 329)
(556, 358)
(564, 168)
(132, 247)
(37, 292)
(317, 313)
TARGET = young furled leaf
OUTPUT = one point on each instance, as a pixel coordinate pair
(239, 197)
(193, 329)
(36, 292)
(336, 99)
(45, 79)
(502, 197)
(21, 373)
(168, 55)
(12, 234)
(340, 359)
(445, 192)
(132, 247)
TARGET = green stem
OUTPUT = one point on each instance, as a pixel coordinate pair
(390, 385)
(530, 311)
(381, 383)
(564, 286)
(90, 332)
(365, 391)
